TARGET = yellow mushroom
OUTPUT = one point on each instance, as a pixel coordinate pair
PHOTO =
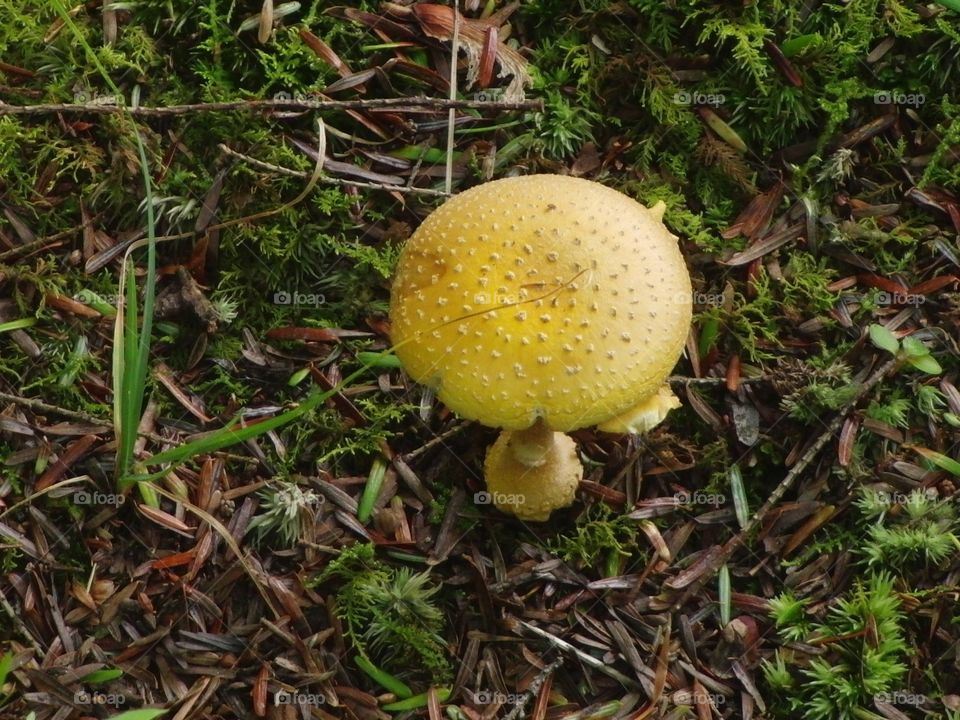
(542, 304)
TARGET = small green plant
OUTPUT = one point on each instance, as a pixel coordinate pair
(827, 391)
(132, 333)
(389, 614)
(921, 530)
(285, 510)
(789, 615)
(562, 75)
(929, 400)
(909, 350)
(598, 535)
(893, 411)
(866, 654)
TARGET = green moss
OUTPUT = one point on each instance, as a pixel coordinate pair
(599, 535)
(866, 654)
(921, 533)
(390, 615)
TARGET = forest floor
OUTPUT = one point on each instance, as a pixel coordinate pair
(220, 497)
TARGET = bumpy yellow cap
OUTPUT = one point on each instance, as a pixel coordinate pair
(541, 296)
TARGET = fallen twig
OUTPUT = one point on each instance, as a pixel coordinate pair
(716, 562)
(21, 626)
(595, 663)
(531, 692)
(40, 406)
(412, 103)
(680, 380)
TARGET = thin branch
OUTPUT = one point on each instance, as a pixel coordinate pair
(21, 626)
(437, 440)
(563, 645)
(809, 455)
(43, 242)
(531, 692)
(412, 104)
(40, 406)
(681, 380)
(452, 113)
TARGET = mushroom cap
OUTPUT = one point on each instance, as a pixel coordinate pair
(541, 296)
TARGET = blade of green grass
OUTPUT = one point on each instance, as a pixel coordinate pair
(740, 505)
(942, 461)
(126, 401)
(226, 436)
(142, 714)
(6, 665)
(724, 593)
(386, 680)
(371, 490)
(17, 324)
(102, 676)
(376, 359)
(417, 701)
(131, 350)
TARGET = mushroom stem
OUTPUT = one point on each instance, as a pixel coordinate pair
(530, 447)
(532, 472)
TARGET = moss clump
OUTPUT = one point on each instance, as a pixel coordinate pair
(866, 654)
(389, 614)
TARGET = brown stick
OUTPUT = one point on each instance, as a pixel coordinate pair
(717, 561)
(405, 103)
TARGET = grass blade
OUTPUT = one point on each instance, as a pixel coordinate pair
(229, 435)
(417, 701)
(372, 490)
(131, 351)
(939, 459)
(725, 600)
(740, 504)
(386, 680)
